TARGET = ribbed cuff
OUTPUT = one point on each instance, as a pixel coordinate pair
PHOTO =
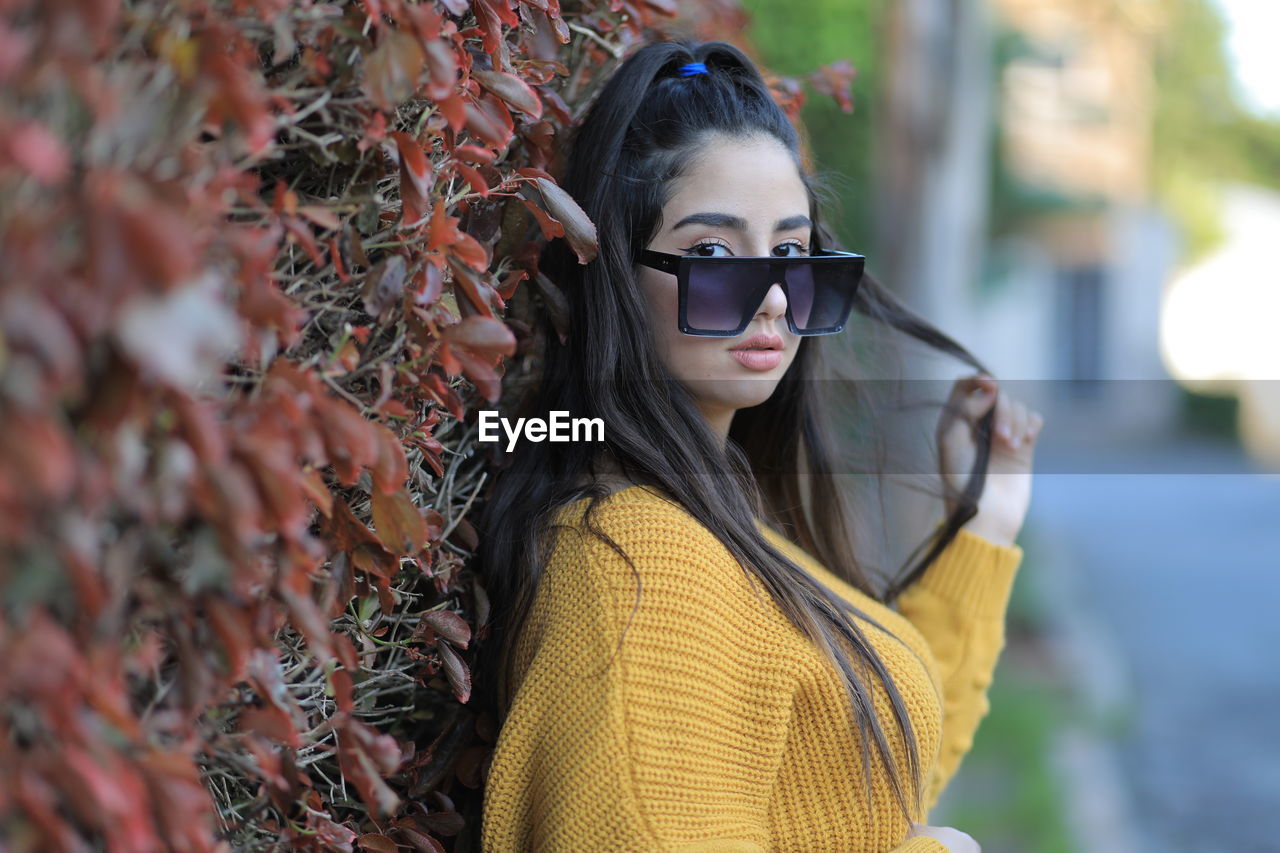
(974, 573)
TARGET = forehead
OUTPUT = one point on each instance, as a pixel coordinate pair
(755, 178)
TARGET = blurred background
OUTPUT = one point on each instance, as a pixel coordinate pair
(1086, 194)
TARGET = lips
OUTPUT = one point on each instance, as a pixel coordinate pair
(760, 342)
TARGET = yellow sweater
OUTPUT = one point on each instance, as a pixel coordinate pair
(718, 727)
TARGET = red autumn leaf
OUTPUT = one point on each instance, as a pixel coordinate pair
(315, 489)
(442, 230)
(474, 178)
(551, 228)
(507, 288)
(271, 722)
(435, 523)
(489, 120)
(482, 334)
(486, 379)
(231, 624)
(377, 843)
(454, 110)
(511, 89)
(383, 749)
(377, 563)
(397, 522)
(448, 625)
(391, 71)
(469, 250)
(473, 154)
(348, 438)
(421, 842)
(415, 178)
(363, 772)
(476, 291)
(442, 69)
(340, 683)
(836, 79)
(391, 469)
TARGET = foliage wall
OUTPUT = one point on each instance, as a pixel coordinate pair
(261, 261)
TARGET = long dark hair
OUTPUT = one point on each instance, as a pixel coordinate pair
(777, 465)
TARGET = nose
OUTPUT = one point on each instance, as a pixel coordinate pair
(775, 302)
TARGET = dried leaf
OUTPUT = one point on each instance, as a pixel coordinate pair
(456, 670)
(449, 625)
(384, 286)
(398, 523)
(580, 231)
(486, 335)
(512, 90)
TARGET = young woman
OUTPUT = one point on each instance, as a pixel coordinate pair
(676, 673)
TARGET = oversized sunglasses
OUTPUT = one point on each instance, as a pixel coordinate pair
(720, 296)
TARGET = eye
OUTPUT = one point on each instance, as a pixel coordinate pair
(801, 249)
(696, 249)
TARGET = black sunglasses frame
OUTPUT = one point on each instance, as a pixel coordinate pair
(680, 266)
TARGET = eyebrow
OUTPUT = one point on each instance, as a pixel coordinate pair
(737, 223)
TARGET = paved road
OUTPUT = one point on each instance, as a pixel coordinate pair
(1183, 572)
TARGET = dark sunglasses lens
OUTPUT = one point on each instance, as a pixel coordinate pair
(821, 294)
(718, 293)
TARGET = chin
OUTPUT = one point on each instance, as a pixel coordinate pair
(740, 393)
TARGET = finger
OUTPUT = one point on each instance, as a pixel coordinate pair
(1034, 425)
(975, 395)
(1017, 423)
(1003, 427)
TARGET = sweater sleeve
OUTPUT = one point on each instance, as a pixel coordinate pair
(959, 606)
(669, 742)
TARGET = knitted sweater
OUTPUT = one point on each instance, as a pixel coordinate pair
(718, 727)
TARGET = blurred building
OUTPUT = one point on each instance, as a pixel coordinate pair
(1016, 199)
(1077, 276)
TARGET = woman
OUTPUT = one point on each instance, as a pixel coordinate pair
(675, 674)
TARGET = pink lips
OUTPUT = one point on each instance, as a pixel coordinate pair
(759, 352)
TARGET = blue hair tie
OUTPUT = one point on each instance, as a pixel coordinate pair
(693, 68)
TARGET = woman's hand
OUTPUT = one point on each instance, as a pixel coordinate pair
(1006, 493)
(953, 839)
